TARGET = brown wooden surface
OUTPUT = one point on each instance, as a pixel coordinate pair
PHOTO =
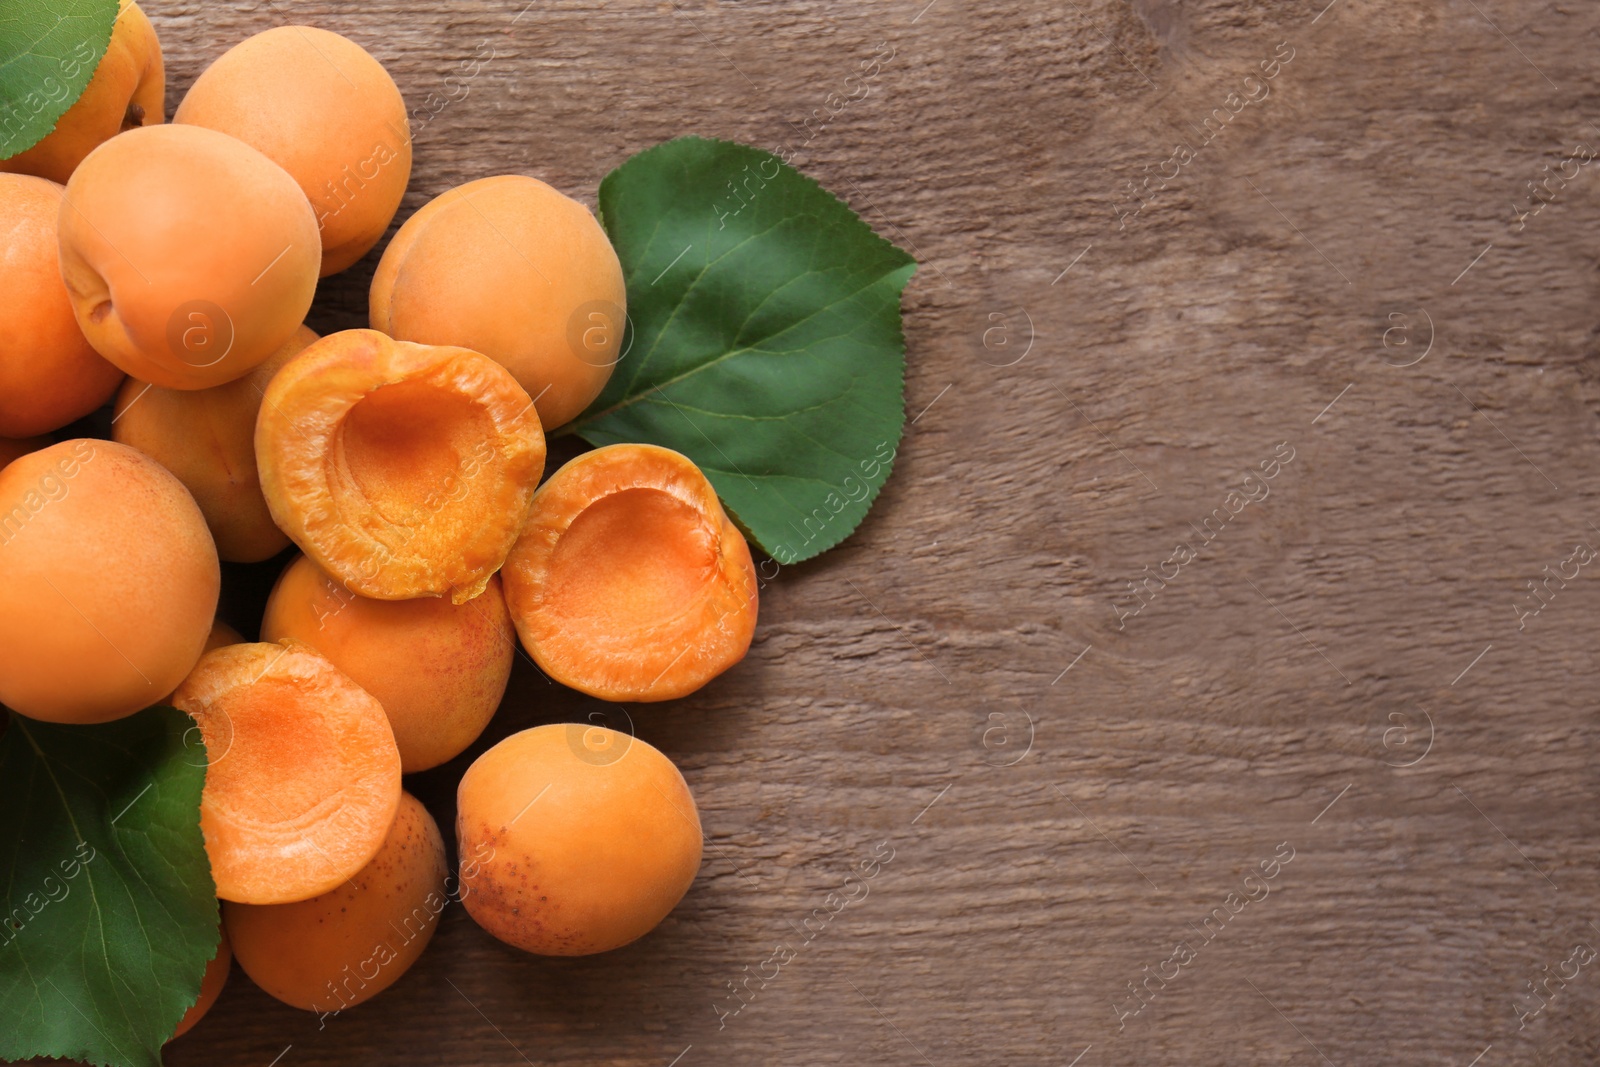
(1295, 662)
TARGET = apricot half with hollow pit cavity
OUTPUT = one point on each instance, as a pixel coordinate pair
(351, 943)
(439, 669)
(190, 257)
(574, 839)
(323, 109)
(127, 89)
(108, 582)
(302, 774)
(509, 267)
(49, 373)
(403, 470)
(207, 437)
(629, 581)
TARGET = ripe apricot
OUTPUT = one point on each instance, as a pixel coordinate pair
(302, 776)
(49, 373)
(439, 669)
(207, 437)
(403, 470)
(509, 267)
(211, 983)
(14, 449)
(629, 582)
(574, 839)
(325, 111)
(351, 943)
(108, 582)
(189, 256)
(127, 89)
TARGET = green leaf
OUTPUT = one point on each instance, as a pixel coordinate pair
(48, 52)
(765, 340)
(109, 912)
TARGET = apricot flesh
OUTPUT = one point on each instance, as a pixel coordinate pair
(49, 373)
(207, 438)
(302, 774)
(127, 89)
(574, 839)
(211, 983)
(189, 256)
(403, 470)
(321, 107)
(439, 669)
(509, 267)
(108, 582)
(346, 946)
(629, 581)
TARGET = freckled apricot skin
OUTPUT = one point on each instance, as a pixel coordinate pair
(207, 438)
(211, 984)
(127, 89)
(403, 470)
(324, 110)
(334, 951)
(629, 581)
(509, 267)
(439, 669)
(302, 776)
(108, 582)
(189, 256)
(49, 373)
(574, 839)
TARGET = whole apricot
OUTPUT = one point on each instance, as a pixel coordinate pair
(629, 581)
(509, 267)
(302, 776)
(127, 89)
(403, 470)
(574, 839)
(323, 109)
(439, 669)
(207, 437)
(189, 256)
(211, 983)
(108, 582)
(351, 943)
(49, 373)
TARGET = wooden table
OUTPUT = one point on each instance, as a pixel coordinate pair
(1163, 244)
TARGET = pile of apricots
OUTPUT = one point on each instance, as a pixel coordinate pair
(166, 269)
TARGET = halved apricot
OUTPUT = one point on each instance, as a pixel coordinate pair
(334, 951)
(207, 438)
(404, 470)
(302, 776)
(439, 669)
(629, 581)
(574, 839)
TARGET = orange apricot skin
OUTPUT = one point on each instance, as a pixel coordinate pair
(211, 983)
(439, 669)
(325, 110)
(189, 256)
(652, 659)
(128, 89)
(108, 582)
(512, 268)
(49, 373)
(207, 438)
(574, 839)
(279, 721)
(454, 536)
(348, 945)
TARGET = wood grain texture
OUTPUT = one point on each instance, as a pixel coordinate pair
(1294, 663)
